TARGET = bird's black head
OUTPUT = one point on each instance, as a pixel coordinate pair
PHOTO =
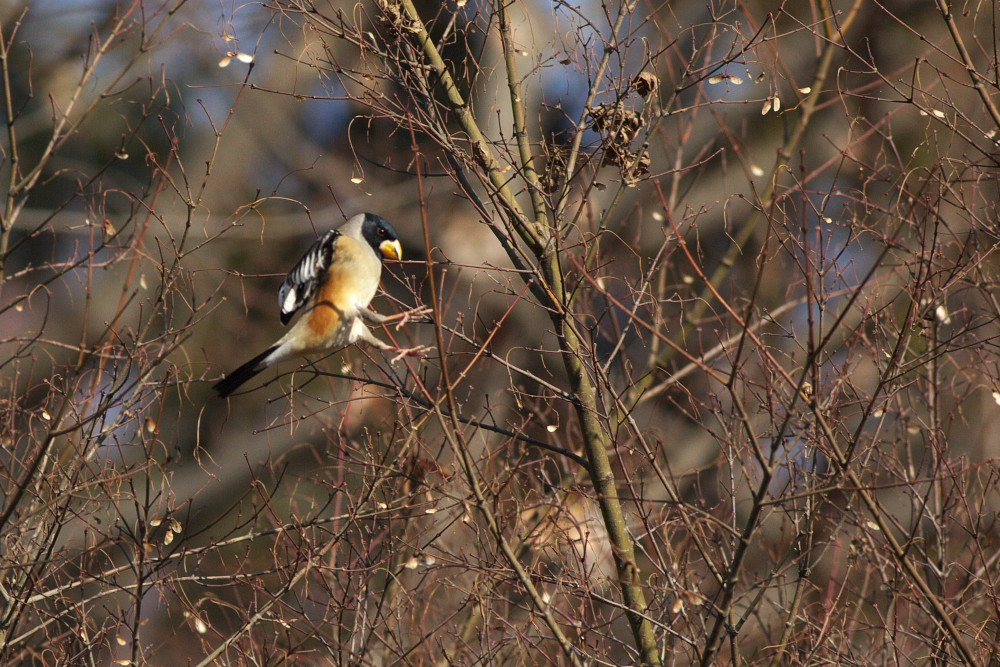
(381, 236)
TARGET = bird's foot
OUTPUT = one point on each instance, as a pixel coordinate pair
(418, 314)
(419, 351)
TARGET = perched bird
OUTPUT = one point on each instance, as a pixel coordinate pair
(332, 285)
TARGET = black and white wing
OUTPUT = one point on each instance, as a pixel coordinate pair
(303, 280)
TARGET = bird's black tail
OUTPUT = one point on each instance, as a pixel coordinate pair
(233, 380)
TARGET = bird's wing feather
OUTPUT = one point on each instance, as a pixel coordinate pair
(303, 280)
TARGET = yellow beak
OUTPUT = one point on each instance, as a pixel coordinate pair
(391, 249)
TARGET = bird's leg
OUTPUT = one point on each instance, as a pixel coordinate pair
(375, 318)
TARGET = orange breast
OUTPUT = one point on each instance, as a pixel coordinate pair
(336, 302)
(325, 317)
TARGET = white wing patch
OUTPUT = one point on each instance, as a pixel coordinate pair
(303, 280)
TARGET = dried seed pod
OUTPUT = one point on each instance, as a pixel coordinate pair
(636, 167)
(629, 127)
(395, 20)
(619, 124)
(601, 116)
(615, 155)
(555, 168)
(645, 83)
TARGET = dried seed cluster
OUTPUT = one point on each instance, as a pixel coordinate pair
(555, 167)
(616, 122)
(618, 126)
(396, 20)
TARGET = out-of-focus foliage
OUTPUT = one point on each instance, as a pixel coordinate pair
(739, 267)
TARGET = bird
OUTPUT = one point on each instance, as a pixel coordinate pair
(332, 285)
